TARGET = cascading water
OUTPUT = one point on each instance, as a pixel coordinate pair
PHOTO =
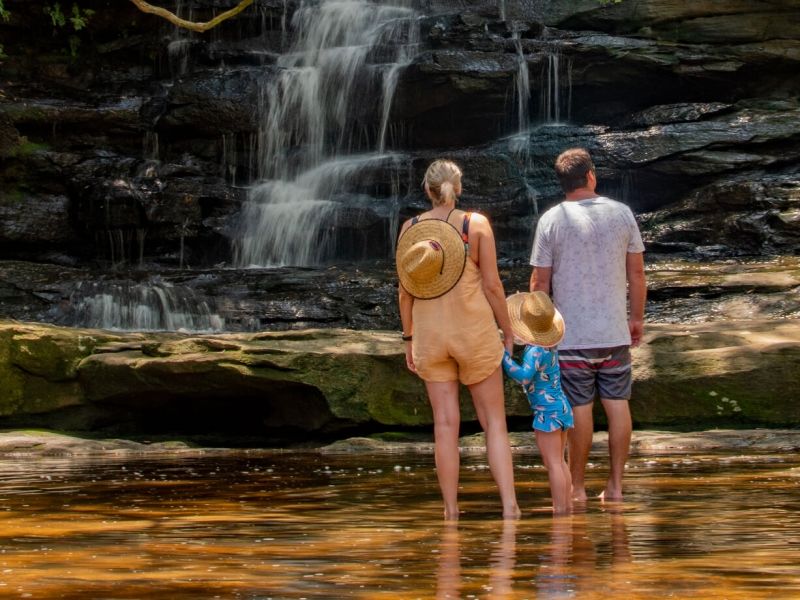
(154, 306)
(556, 103)
(316, 136)
(229, 158)
(179, 45)
(523, 86)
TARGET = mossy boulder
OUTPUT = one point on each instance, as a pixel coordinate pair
(9, 137)
(38, 366)
(320, 382)
(724, 373)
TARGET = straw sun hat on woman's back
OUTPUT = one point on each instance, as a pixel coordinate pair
(430, 258)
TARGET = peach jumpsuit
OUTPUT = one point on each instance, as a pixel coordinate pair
(455, 335)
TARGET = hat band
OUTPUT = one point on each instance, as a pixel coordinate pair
(438, 247)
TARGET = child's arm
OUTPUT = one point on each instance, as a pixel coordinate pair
(521, 373)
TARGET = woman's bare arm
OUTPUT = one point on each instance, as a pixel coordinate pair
(481, 232)
(406, 305)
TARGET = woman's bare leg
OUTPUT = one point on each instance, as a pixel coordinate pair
(551, 447)
(443, 397)
(489, 401)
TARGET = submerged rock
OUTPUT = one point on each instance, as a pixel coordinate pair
(15, 444)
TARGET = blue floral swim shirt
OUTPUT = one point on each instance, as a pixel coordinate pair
(541, 379)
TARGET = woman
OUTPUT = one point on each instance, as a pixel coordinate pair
(451, 303)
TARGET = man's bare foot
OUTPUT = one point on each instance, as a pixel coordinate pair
(579, 494)
(512, 513)
(611, 495)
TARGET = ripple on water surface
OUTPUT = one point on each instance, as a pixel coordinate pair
(305, 525)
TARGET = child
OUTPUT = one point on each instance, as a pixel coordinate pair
(537, 323)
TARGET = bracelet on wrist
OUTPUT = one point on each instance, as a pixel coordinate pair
(406, 338)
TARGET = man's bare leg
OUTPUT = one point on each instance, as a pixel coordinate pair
(580, 443)
(619, 444)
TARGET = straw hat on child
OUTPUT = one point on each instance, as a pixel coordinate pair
(534, 319)
(430, 258)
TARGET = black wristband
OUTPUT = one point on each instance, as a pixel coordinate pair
(406, 338)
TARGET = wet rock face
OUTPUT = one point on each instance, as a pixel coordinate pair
(136, 149)
(755, 213)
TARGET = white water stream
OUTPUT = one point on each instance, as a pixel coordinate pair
(315, 136)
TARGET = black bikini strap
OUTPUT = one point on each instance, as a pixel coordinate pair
(415, 220)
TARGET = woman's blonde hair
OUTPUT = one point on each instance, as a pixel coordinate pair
(441, 179)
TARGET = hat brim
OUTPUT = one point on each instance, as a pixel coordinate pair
(455, 257)
(548, 338)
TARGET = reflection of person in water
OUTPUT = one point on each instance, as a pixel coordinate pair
(620, 543)
(557, 574)
(502, 559)
(448, 571)
(578, 546)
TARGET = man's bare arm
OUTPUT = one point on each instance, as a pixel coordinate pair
(637, 294)
(540, 279)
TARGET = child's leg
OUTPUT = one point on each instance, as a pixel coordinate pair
(551, 446)
(565, 468)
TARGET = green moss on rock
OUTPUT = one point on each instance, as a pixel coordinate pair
(694, 377)
(11, 380)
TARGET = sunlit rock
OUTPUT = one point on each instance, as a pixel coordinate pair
(284, 387)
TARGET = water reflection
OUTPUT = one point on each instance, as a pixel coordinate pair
(304, 525)
(579, 544)
(450, 581)
(554, 578)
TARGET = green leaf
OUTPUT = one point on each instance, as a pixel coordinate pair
(55, 14)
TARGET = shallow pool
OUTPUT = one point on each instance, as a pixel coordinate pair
(306, 525)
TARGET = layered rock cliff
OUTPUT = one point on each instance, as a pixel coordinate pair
(128, 149)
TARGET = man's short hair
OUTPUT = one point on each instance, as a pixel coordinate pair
(572, 168)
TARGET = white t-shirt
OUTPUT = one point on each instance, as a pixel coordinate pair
(586, 243)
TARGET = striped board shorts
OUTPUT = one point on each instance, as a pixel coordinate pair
(596, 373)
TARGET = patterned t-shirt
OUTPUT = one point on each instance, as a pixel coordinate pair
(586, 243)
(540, 377)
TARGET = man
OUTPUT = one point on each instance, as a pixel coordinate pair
(588, 254)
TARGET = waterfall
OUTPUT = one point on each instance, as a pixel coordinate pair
(229, 157)
(150, 146)
(154, 306)
(179, 46)
(312, 140)
(523, 86)
(556, 86)
(390, 79)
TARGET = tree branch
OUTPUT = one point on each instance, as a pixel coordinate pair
(191, 25)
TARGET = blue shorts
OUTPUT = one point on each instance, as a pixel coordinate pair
(596, 373)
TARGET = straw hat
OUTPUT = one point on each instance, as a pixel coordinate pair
(430, 258)
(534, 319)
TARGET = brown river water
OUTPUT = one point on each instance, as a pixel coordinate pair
(309, 525)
